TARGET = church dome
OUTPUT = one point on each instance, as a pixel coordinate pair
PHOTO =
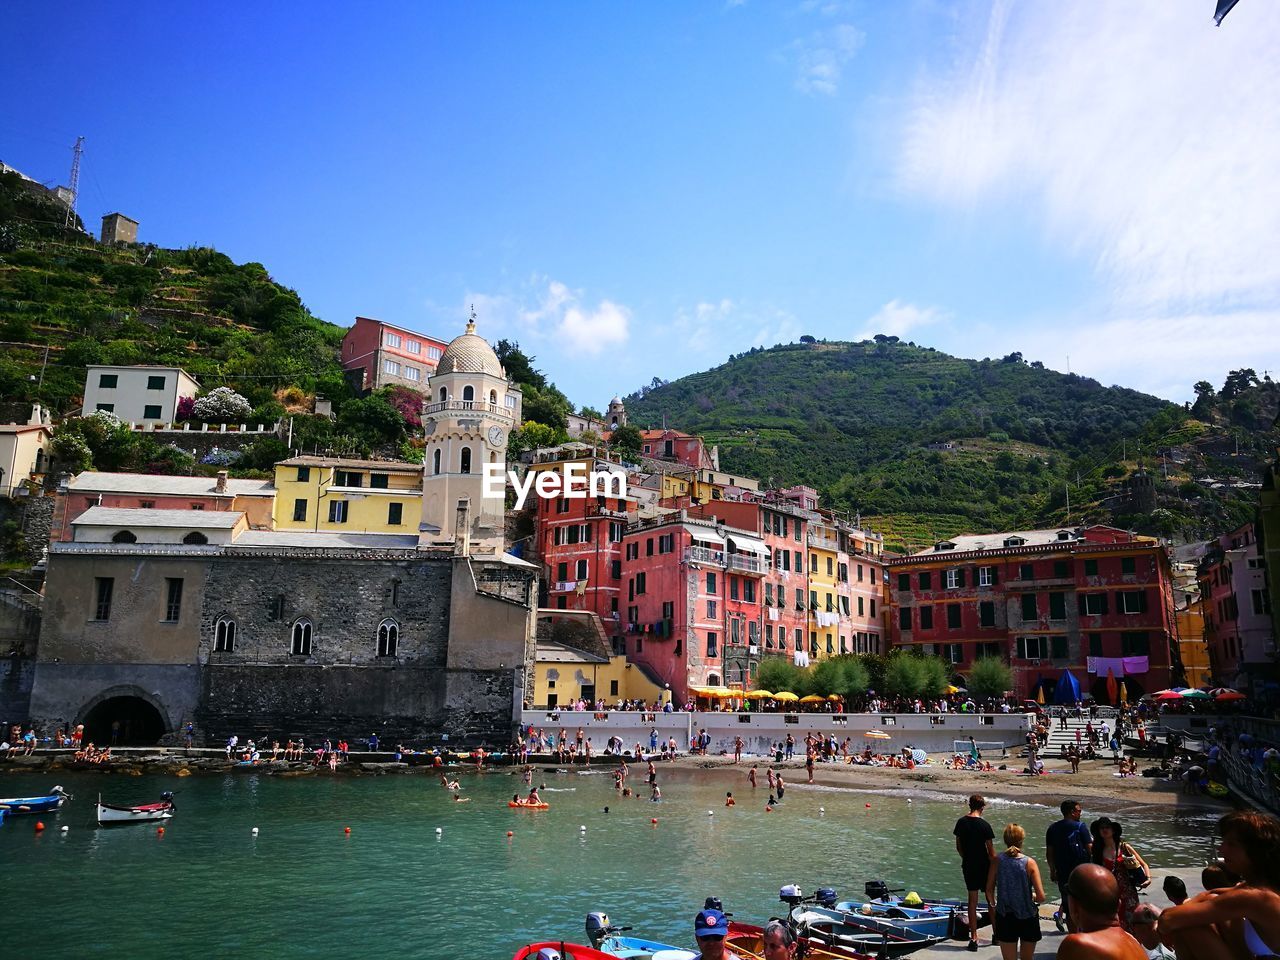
(470, 353)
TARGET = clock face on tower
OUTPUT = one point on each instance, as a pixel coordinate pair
(495, 436)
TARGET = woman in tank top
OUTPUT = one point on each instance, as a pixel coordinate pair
(1014, 890)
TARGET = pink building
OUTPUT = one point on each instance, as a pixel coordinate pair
(389, 356)
(692, 599)
(1237, 610)
(254, 498)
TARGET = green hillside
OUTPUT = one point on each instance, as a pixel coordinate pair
(76, 302)
(925, 445)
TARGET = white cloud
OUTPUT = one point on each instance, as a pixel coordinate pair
(820, 58)
(1141, 138)
(898, 319)
(549, 313)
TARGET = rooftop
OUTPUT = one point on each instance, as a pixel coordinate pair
(91, 481)
(391, 466)
(133, 517)
(469, 353)
(1032, 538)
(551, 652)
(303, 538)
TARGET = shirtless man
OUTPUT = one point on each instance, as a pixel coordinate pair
(1094, 903)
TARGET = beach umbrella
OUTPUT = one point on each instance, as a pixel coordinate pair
(1219, 691)
(813, 698)
(1194, 695)
(877, 735)
(1040, 695)
(786, 696)
(1124, 693)
(834, 697)
(1167, 695)
(1161, 693)
(758, 695)
(1112, 687)
(1231, 695)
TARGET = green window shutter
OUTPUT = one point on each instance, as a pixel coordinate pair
(1059, 648)
(1104, 604)
(960, 577)
(1142, 601)
(1022, 648)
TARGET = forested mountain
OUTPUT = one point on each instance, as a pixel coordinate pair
(925, 445)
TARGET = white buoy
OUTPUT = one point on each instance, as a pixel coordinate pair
(711, 813)
(65, 829)
(908, 799)
(582, 828)
(439, 830)
(255, 831)
(822, 809)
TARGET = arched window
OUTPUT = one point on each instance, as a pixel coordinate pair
(300, 646)
(465, 465)
(195, 538)
(388, 638)
(224, 636)
(713, 680)
(125, 536)
(444, 394)
(468, 393)
(435, 461)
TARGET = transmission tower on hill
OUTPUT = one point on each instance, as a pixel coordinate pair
(74, 184)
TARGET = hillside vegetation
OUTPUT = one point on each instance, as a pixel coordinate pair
(925, 445)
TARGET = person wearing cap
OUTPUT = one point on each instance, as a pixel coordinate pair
(709, 929)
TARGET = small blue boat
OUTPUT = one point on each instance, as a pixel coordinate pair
(950, 916)
(609, 939)
(15, 805)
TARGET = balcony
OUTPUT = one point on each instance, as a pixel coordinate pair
(823, 543)
(742, 562)
(480, 407)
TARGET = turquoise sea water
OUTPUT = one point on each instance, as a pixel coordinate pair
(396, 888)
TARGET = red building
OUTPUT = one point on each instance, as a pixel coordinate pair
(1237, 610)
(677, 447)
(389, 356)
(580, 544)
(1095, 601)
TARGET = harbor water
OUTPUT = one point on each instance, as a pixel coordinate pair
(423, 876)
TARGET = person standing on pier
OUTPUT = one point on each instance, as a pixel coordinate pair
(1068, 843)
(975, 842)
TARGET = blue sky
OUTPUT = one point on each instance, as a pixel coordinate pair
(639, 190)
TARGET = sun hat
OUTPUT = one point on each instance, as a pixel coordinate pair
(710, 923)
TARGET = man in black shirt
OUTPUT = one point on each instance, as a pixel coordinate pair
(974, 843)
(1068, 844)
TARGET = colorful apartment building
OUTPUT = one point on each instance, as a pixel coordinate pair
(692, 603)
(579, 542)
(1237, 611)
(677, 447)
(24, 452)
(385, 355)
(1095, 601)
(144, 491)
(351, 496)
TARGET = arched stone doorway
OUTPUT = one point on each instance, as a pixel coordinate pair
(123, 719)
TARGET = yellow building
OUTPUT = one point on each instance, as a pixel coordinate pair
(563, 675)
(349, 496)
(824, 595)
(24, 453)
(1191, 642)
(708, 485)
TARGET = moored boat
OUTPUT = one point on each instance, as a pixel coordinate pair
(883, 902)
(109, 814)
(878, 936)
(747, 941)
(561, 950)
(52, 801)
(611, 940)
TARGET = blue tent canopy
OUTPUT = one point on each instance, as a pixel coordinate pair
(1067, 689)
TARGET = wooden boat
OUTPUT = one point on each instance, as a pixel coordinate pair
(883, 902)
(879, 936)
(525, 805)
(55, 799)
(747, 941)
(109, 814)
(566, 951)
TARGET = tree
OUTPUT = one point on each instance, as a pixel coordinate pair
(532, 435)
(903, 676)
(547, 406)
(372, 421)
(627, 441)
(222, 405)
(519, 365)
(777, 674)
(934, 678)
(807, 339)
(989, 677)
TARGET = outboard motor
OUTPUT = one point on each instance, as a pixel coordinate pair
(597, 928)
(876, 889)
(791, 895)
(167, 797)
(713, 903)
(826, 897)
